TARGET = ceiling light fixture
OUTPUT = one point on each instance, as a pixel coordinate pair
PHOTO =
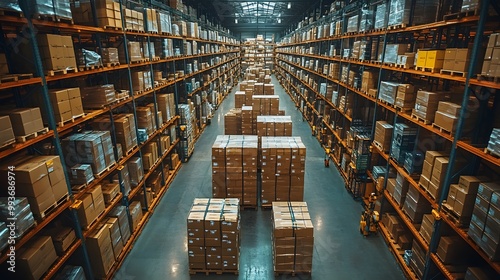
(235, 20)
(289, 5)
(279, 20)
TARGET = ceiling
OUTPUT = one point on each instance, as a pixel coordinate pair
(259, 16)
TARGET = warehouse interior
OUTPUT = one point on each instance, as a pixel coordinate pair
(234, 139)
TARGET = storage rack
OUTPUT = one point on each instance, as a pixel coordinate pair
(476, 25)
(257, 51)
(25, 24)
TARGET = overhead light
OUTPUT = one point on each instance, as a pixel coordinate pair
(279, 20)
(289, 5)
(235, 20)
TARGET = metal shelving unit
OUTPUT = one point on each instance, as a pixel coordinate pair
(302, 81)
(228, 66)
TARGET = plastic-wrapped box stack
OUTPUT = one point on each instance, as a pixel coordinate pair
(234, 168)
(58, 8)
(274, 126)
(164, 22)
(388, 92)
(405, 97)
(70, 272)
(166, 105)
(19, 210)
(283, 167)
(239, 99)
(293, 237)
(494, 142)
(392, 51)
(486, 219)
(403, 142)
(266, 104)
(462, 196)
(425, 12)
(186, 113)
(125, 129)
(213, 229)
(97, 97)
(380, 16)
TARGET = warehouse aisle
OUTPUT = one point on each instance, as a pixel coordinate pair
(340, 251)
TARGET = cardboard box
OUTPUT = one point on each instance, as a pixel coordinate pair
(36, 257)
(63, 238)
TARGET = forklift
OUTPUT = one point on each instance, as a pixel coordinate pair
(369, 218)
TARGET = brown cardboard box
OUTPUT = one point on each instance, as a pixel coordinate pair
(6, 131)
(43, 201)
(110, 191)
(63, 238)
(25, 121)
(36, 257)
(100, 251)
(445, 121)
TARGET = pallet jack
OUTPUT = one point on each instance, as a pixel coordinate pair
(369, 218)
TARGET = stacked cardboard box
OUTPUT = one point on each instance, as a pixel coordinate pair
(383, 135)
(108, 13)
(213, 229)
(234, 168)
(293, 237)
(369, 80)
(4, 66)
(491, 64)
(145, 119)
(456, 60)
(125, 129)
(135, 170)
(110, 191)
(66, 104)
(91, 147)
(266, 104)
(494, 142)
(81, 174)
(164, 22)
(134, 52)
(248, 122)
(115, 235)
(405, 97)
(110, 55)
(406, 60)
(462, 196)
(90, 206)
(239, 99)
(19, 210)
(100, 251)
(150, 155)
(426, 105)
(232, 122)
(187, 118)
(57, 52)
(135, 214)
(428, 165)
(25, 121)
(394, 225)
(283, 168)
(274, 126)
(417, 261)
(41, 179)
(35, 258)
(438, 172)
(452, 249)
(483, 228)
(98, 96)
(166, 105)
(447, 115)
(6, 132)
(415, 205)
(134, 20)
(403, 142)
(400, 189)
(392, 51)
(120, 213)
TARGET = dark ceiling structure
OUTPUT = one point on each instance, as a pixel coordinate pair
(258, 16)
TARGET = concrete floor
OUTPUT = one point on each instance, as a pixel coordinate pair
(341, 252)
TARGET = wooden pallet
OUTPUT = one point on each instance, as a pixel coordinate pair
(379, 146)
(72, 120)
(419, 119)
(14, 77)
(99, 217)
(386, 103)
(453, 73)
(101, 173)
(210, 271)
(109, 27)
(88, 68)
(403, 110)
(490, 152)
(129, 151)
(61, 72)
(7, 12)
(292, 273)
(266, 205)
(460, 15)
(137, 61)
(6, 79)
(427, 69)
(488, 78)
(434, 125)
(54, 206)
(156, 58)
(7, 145)
(377, 30)
(78, 188)
(397, 26)
(404, 66)
(390, 64)
(22, 139)
(112, 64)
(254, 207)
(454, 217)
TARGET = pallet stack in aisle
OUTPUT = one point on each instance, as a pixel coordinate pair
(234, 168)
(282, 161)
(274, 126)
(186, 113)
(293, 238)
(213, 230)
